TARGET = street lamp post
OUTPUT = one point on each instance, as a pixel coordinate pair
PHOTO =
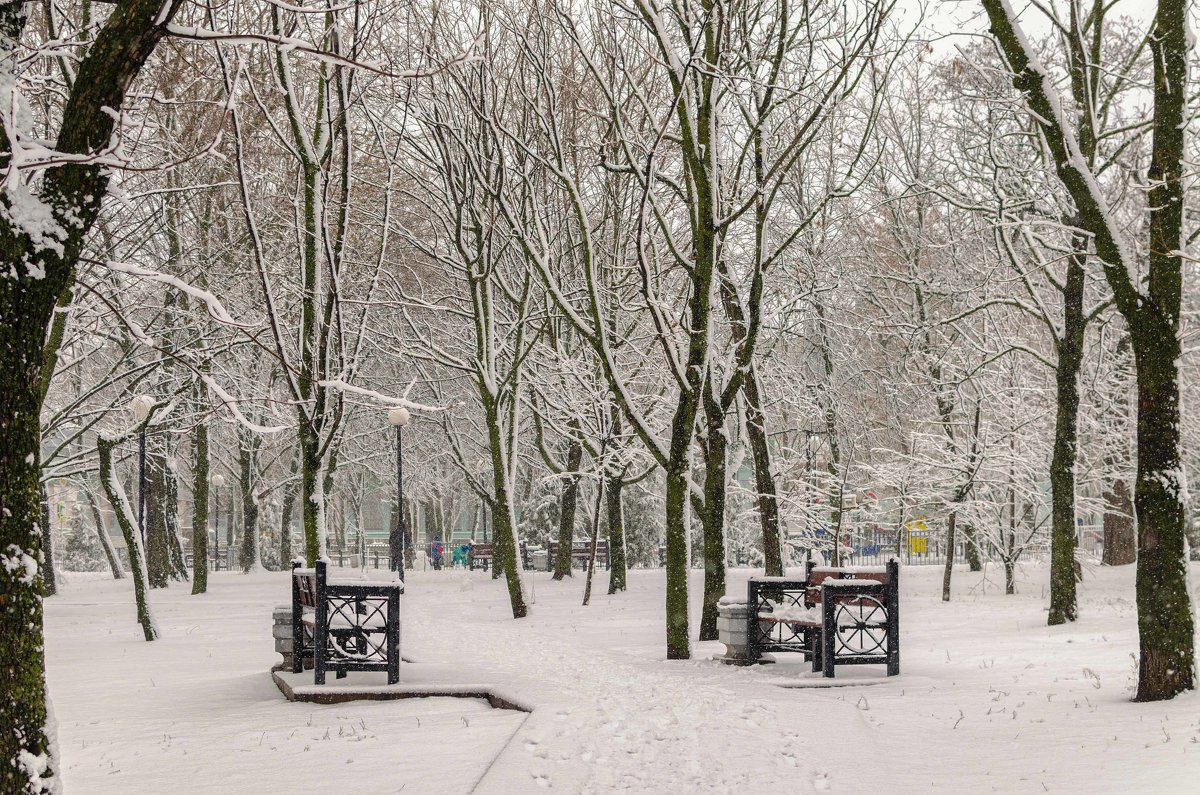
(141, 405)
(218, 480)
(398, 417)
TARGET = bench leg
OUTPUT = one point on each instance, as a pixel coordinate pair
(828, 632)
(393, 640)
(319, 649)
(297, 649)
(827, 654)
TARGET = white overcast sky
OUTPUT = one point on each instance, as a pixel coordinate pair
(949, 21)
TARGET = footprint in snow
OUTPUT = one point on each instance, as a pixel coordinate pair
(821, 782)
(542, 781)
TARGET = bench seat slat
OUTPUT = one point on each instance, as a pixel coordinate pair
(791, 622)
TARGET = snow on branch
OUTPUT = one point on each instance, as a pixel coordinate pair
(216, 309)
(342, 386)
(288, 43)
(231, 403)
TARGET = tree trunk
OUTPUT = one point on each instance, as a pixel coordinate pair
(179, 570)
(110, 554)
(310, 496)
(764, 480)
(715, 465)
(1120, 536)
(1063, 604)
(595, 535)
(22, 652)
(36, 276)
(49, 586)
(613, 487)
(677, 495)
(285, 525)
(971, 548)
(229, 520)
(497, 569)
(949, 570)
(410, 550)
(158, 555)
(566, 513)
(133, 540)
(249, 483)
(503, 524)
(200, 509)
(1010, 538)
(1165, 623)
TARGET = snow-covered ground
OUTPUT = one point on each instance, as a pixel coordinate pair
(990, 699)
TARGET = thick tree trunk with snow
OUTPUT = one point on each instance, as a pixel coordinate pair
(23, 743)
(1165, 623)
(35, 278)
(567, 506)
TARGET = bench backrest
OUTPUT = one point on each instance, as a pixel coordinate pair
(304, 584)
(579, 548)
(817, 575)
(482, 550)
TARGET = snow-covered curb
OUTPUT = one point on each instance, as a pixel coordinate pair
(299, 687)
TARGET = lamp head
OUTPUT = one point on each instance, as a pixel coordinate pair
(218, 480)
(398, 416)
(141, 406)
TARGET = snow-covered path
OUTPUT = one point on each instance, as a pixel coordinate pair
(990, 700)
(608, 721)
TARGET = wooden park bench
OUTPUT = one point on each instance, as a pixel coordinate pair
(581, 552)
(344, 626)
(847, 615)
(217, 560)
(483, 556)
